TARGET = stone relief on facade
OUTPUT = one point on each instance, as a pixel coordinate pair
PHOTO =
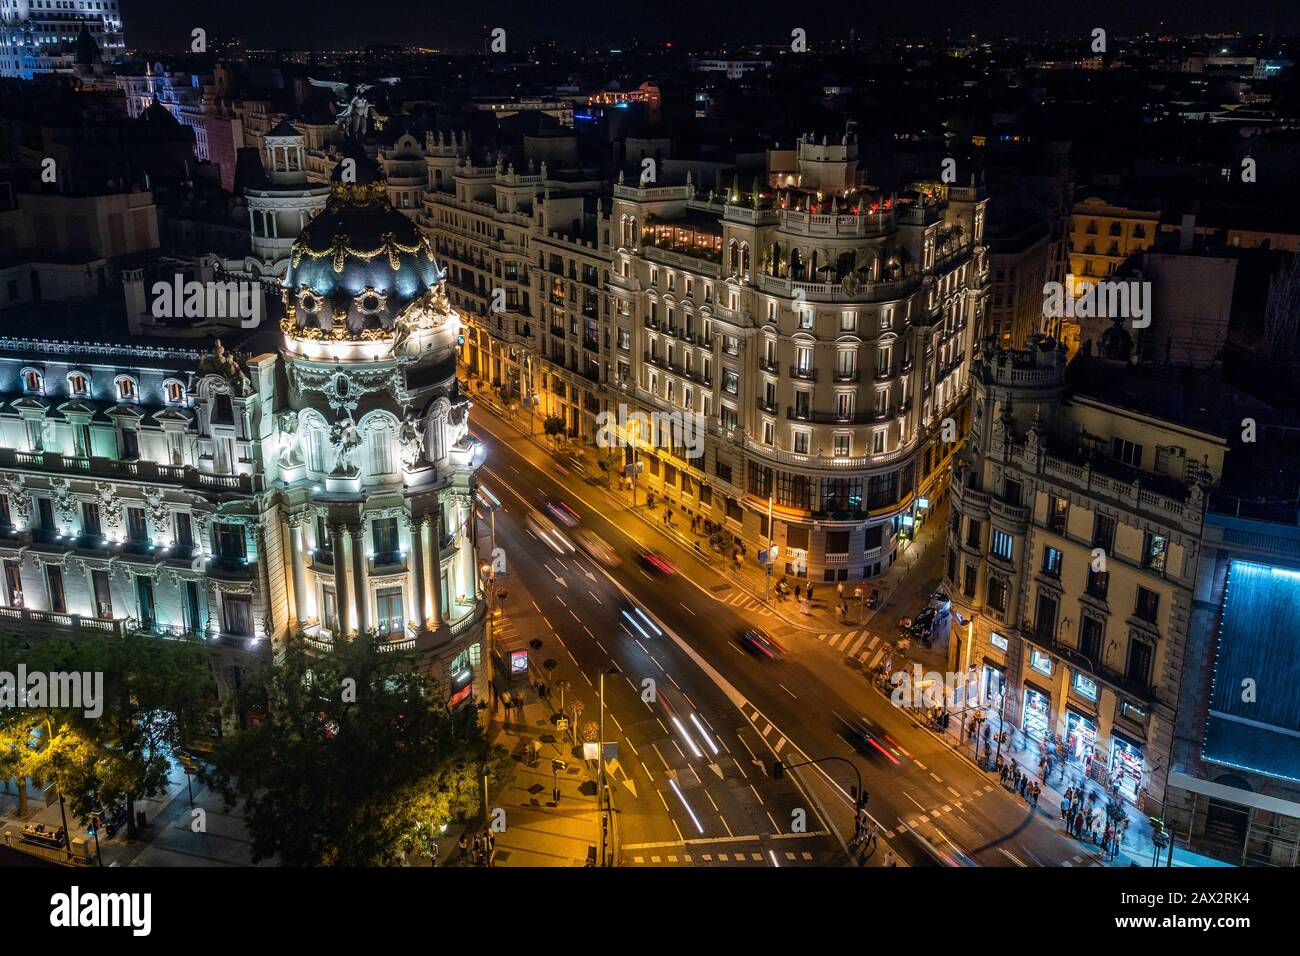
(346, 440)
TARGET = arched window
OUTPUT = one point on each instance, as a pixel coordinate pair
(78, 384)
(175, 392)
(33, 381)
(127, 389)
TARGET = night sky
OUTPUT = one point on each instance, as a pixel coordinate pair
(166, 24)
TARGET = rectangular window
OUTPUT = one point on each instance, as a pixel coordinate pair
(1126, 451)
(1002, 544)
(1040, 662)
(1139, 662)
(1147, 606)
(145, 600)
(103, 594)
(730, 382)
(973, 530)
(1103, 532)
(329, 610)
(384, 532)
(90, 523)
(230, 542)
(390, 617)
(1154, 550)
(14, 583)
(843, 446)
(971, 576)
(1058, 511)
(184, 530)
(1051, 561)
(1090, 635)
(54, 581)
(997, 594)
(1098, 584)
(1045, 616)
(137, 531)
(237, 615)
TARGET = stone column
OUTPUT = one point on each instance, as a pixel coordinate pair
(300, 602)
(360, 580)
(342, 605)
(416, 524)
(435, 542)
(465, 551)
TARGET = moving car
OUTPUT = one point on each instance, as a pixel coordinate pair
(657, 563)
(562, 513)
(597, 547)
(548, 534)
(760, 642)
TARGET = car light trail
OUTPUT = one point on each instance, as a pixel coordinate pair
(649, 623)
(687, 737)
(682, 798)
(872, 741)
(772, 854)
(703, 733)
(631, 620)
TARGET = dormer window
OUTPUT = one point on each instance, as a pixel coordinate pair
(78, 385)
(175, 392)
(33, 382)
(127, 391)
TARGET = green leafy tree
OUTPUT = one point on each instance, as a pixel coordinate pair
(151, 704)
(358, 762)
(553, 427)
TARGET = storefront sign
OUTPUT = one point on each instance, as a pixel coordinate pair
(1085, 686)
(998, 641)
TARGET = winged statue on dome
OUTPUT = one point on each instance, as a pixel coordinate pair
(357, 109)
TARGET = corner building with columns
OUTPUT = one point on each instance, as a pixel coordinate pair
(314, 484)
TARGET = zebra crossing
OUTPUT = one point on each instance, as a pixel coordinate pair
(859, 644)
(744, 602)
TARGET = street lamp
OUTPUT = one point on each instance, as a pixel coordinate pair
(603, 797)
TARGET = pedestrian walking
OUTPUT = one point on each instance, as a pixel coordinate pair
(889, 858)
(839, 589)
(463, 846)
(873, 837)
(810, 592)
(798, 592)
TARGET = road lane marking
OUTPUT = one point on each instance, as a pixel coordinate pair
(786, 689)
(953, 792)
(693, 614)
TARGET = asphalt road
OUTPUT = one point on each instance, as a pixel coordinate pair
(693, 783)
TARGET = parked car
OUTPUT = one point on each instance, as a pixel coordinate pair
(941, 603)
(923, 623)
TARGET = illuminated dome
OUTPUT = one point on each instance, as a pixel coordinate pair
(359, 264)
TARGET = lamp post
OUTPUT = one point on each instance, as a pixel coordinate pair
(603, 798)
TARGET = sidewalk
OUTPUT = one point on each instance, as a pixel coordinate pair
(1137, 847)
(539, 830)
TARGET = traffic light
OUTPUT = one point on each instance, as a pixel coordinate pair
(778, 770)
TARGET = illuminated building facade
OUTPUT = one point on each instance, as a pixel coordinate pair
(315, 490)
(1077, 511)
(40, 36)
